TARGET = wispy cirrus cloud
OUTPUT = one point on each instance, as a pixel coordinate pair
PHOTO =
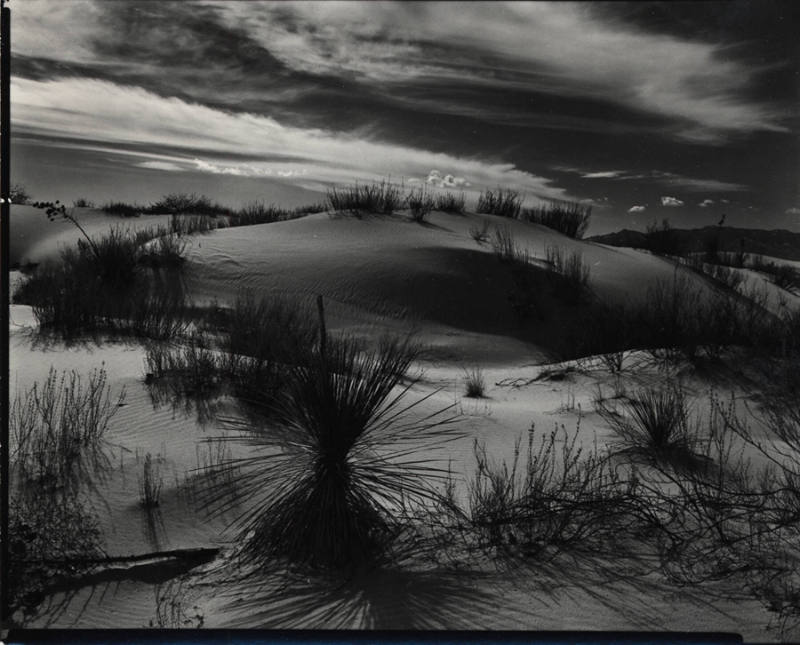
(694, 83)
(102, 111)
(663, 178)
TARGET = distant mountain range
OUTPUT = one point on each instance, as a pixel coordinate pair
(777, 243)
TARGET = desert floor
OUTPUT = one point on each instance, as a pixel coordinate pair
(377, 274)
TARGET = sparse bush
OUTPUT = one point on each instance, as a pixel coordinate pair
(420, 203)
(259, 213)
(189, 224)
(480, 234)
(183, 203)
(655, 427)
(569, 218)
(150, 483)
(383, 198)
(505, 203)
(450, 203)
(123, 209)
(57, 428)
(82, 202)
(560, 498)
(102, 284)
(474, 383)
(18, 194)
(505, 247)
(51, 537)
(571, 266)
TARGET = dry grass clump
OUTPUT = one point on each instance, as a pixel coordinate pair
(554, 497)
(502, 202)
(189, 204)
(57, 427)
(474, 383)
(123, 209)
(450, 203)
(571, 266)
(420, 203)
(108, 283)
(480, 233)
(654, 426)
(383, 199)
(505, 247)
(569, 218)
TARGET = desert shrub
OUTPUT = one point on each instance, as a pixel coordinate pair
(82, 202)
(420, 203)
(655, 427)
(57, 427)
(569, 218)
(51, 537)
(383, 198)
(451, 203)
(166, 250)
(480, 233)
(123, 209)
(571, 266)
(558, 497)
(275, 328)
(332, 496)
(190, 204)
(663, 240)
(104, 283)
(474, 383)
(259, 213)
(18, 194)
(505, 203)
(784, 276)
(506, 248)
(189, 224)
(150, 483)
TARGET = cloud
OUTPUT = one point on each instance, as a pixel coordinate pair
(114, 115)
(636, 209)
(448, 181)
(690, 184)
(605, 174)
(160, 165)
(671, 201)
(706, 203)
(697, 84)
(794, 210)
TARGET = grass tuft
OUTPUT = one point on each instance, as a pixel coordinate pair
(420, 203)
(505, 203)
(451, 203)
(474, 383)
(568, 218)
(383, 199)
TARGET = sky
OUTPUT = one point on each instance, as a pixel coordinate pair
(645, 111)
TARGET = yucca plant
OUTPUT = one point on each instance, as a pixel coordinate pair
(655, 426)
(329, 486)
